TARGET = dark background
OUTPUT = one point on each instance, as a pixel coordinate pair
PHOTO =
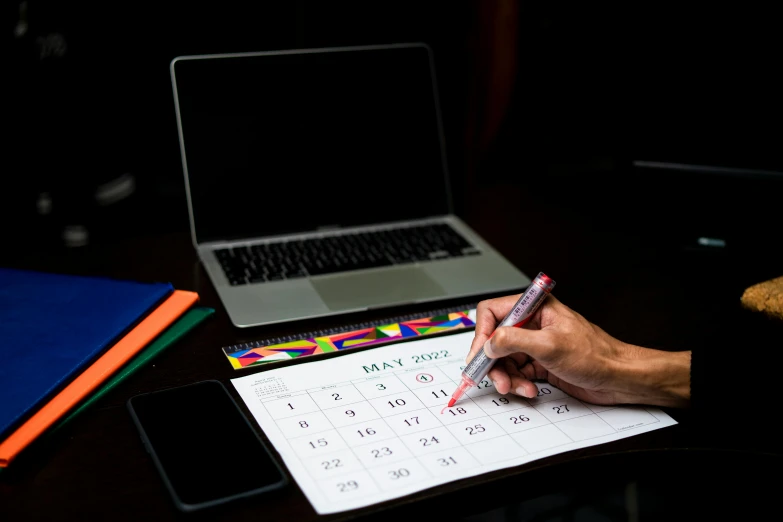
(547, 102)
(556, 98)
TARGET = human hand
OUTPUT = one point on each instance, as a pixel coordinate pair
(560, 346)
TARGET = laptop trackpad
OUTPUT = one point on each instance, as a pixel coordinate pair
(397, 286)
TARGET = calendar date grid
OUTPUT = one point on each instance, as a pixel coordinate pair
(383, 391)
(349, 459)
(366, 432)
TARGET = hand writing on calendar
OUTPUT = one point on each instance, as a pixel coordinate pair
(560, 346)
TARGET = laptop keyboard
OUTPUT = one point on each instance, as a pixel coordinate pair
(341, 253)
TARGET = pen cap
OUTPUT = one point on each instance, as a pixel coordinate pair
(544, 281)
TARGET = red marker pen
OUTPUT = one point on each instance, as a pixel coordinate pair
(520, 313)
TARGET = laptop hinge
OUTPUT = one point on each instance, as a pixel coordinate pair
(212, 245)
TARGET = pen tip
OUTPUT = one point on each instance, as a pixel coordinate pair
(451, 402)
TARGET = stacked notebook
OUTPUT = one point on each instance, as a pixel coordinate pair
(65, 340)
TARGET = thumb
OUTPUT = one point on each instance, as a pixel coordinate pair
(508, 339)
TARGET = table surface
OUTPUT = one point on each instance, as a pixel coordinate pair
(639, 287)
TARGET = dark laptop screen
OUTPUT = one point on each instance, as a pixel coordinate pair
(283, 142)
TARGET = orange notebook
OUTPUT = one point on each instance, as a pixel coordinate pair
(97, 373)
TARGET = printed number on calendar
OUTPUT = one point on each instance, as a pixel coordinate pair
(399, 473)
(382, 452)
(348, 485)
(429, 442)
(473, 430)
(439, 394)
(430, 356)
(332, 464)
(447, 461)
(319, 442)
(366, 432)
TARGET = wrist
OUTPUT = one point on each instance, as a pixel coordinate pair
(657, 377)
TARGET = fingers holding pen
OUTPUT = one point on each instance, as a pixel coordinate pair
(500, 378)
(522, 381)
(509, 340)
(508, 378)
(512, 348)
(516, 368)
(488, 314)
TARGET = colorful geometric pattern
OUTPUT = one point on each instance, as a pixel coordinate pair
(346, 340)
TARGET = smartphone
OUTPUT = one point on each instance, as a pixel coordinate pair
(203, 446)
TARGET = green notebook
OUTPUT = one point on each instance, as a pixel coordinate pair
(172, 334)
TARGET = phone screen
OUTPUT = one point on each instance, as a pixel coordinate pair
(205, 449)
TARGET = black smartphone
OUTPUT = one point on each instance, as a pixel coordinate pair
(203, 446)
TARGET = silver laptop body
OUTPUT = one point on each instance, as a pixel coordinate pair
(317, 183)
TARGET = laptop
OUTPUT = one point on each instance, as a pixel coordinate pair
(317, 183)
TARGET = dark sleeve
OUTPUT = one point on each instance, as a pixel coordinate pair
(735, 380)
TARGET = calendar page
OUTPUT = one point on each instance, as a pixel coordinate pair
(372, 426)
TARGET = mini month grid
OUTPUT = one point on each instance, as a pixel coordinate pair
(371, 426)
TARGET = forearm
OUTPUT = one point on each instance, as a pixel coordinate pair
(656, 377)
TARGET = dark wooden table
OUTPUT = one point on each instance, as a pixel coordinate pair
(611, 265)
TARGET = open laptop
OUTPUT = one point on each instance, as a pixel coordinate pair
(317, 183)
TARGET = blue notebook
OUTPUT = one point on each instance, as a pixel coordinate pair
(52, 326)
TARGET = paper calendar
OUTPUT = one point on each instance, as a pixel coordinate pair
(371, 426)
